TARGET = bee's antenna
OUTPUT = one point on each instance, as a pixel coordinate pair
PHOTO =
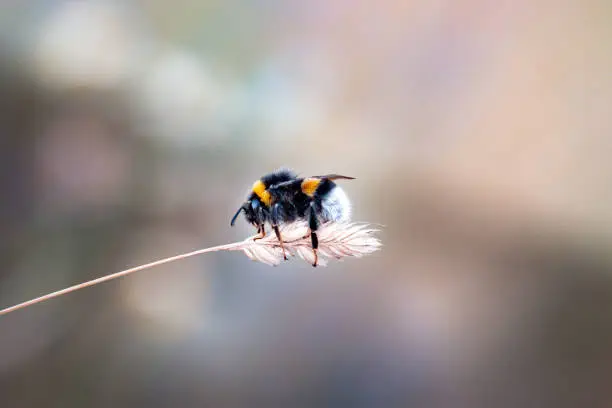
(242, 207)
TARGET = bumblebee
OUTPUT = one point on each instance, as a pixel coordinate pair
(281, 197)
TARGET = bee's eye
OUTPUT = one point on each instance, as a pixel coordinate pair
(255, 204)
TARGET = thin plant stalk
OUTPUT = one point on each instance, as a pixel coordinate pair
(336, 240)
(115, 276)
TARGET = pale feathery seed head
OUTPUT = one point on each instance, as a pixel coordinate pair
(336, 240)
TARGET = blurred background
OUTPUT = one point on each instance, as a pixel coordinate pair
(480, 136)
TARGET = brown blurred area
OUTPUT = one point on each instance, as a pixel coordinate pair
(480, 136)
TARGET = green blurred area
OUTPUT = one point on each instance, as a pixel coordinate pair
(479, 134)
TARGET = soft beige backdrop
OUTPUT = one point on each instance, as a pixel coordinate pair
(480, 136)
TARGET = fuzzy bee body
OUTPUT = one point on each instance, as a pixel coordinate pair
(281, 197)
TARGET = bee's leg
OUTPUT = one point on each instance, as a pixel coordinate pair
(260, 219)
(280, 239)
(262, 232)
(275, 216)
(313, 223)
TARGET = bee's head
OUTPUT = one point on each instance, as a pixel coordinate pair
(255, 211)
(259, 201)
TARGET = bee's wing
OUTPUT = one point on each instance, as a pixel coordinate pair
(335, 177)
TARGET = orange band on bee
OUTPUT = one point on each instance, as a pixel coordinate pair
(259, 188)
(309, 186)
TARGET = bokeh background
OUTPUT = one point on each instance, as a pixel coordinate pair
(480, 136)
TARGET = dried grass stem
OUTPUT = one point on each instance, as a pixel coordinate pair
(335, 241)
